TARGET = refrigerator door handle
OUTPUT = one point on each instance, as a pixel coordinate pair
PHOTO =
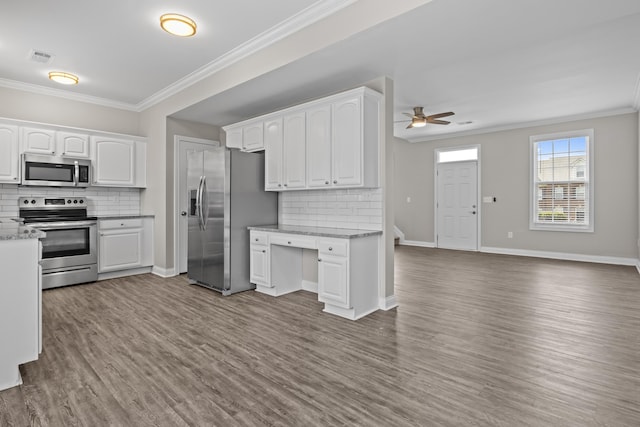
(199, 203)
(204, 203)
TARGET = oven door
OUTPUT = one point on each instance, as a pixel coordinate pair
(68, 244)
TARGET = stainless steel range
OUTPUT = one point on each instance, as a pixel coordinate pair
(69, 253)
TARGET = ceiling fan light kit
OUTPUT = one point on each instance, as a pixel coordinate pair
(63, 78)
(178, 25)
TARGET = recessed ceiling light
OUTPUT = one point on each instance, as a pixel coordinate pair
(63, 78)
(178, 25)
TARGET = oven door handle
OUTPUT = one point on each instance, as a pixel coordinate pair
(60, 225)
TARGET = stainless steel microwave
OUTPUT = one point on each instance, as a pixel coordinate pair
(52, 171)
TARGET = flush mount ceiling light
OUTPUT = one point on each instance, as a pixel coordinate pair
(178, 25)
(63, 78)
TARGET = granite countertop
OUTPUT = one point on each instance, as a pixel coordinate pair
(129, 216)
(13, 230)
(343, 233)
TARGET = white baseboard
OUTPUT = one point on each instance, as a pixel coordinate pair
(164, 272)
(310, 286)
(387, 303)
(398, 233)
(563, 255)
(638, 266)
(418, 243)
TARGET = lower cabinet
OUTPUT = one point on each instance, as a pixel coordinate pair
(346, 269)
(125, 244)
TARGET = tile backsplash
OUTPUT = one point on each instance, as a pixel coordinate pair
(354, 208)
(100, 201)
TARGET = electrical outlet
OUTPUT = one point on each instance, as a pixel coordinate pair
(510, 234)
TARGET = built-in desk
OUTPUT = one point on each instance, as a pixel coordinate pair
(347, 263)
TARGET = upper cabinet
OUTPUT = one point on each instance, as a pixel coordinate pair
(332, 142)
(73, 144)
(247, 136)
(9, 154)
(54, 143)
(118, 162)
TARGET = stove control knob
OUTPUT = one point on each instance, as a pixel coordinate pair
(68, 201)
(26, 202)
(75, 200)
(81, 201)
(33, 202)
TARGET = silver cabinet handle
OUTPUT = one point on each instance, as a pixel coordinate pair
(319, 260)
(330, 248)
(288, 243)
(326, 182)
(335, 181)
(264, 251)
(257, 239)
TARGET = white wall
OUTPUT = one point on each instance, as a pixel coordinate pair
(505, 175)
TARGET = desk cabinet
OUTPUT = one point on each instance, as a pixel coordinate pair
(346, 267)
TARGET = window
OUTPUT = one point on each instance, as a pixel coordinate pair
(457, 155)
(561, 190)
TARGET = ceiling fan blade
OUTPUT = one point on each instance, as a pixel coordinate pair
(410, 125)
(439, 115)
(408, 115)
(438, 122)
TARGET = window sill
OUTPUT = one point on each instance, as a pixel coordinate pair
(562, 228)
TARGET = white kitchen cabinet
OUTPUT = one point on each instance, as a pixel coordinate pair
(118, 162)
(38, 141)
(318, 147)
(124, 244)
(9, 154)
(20, 307)
(346, 142)
(72, 144)
(294, 151)
(273, 163)
(259, 259)
(346, 267)
(247, 136)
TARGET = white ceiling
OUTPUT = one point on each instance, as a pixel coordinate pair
(497, 63)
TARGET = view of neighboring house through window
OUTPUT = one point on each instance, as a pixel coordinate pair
(562, 196)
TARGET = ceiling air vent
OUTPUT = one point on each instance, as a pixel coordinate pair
(40, 56)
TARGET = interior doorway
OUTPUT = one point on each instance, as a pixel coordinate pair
(457, 208)
(183, 145)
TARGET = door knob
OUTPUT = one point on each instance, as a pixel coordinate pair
(183, 213)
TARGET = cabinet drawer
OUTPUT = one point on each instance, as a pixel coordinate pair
(109, 224)
(330, 247)
(258, 238)
(294, 240)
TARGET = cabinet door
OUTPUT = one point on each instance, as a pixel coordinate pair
(253, 137)
(273, 154)
(120, 249)
(333, 284)
(234, 138)
(319, 147)
(259, 265)
(72, 144)
(346, 142)
(38, 141)
(114, 162)
(9, 154)
(294, 151)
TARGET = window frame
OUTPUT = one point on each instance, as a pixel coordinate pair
(588, 180)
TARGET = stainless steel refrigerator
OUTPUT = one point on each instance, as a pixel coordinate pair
(226, 192)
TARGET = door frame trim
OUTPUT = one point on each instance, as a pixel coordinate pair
(176, 200)
(437, 150)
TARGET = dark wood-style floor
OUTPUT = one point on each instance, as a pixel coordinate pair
(478, 340)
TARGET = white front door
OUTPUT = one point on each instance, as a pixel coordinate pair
(184, 145)
(457, 205)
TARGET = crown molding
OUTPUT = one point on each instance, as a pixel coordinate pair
(43, 90)
(291, 25)
(521, 125)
